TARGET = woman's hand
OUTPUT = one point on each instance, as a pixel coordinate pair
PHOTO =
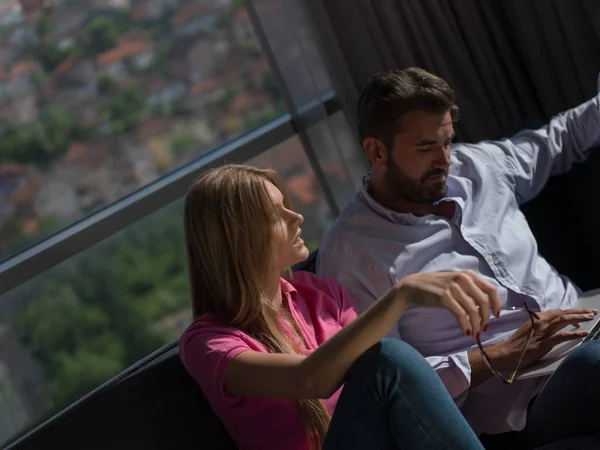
(466, 294)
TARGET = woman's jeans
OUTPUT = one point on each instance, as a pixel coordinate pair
(393, 399)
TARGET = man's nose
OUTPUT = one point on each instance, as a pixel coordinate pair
(442, 157)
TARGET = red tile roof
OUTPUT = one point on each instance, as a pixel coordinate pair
(155, 126)
(65, 66)
(303, 187)
(125, 50)
(247, 101)
(23, 67)
(207, 85)
(188, 12)
(26, 193)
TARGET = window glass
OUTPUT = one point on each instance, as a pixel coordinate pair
(294, 48)
(101, 98)
(71, 329)
(289, 159)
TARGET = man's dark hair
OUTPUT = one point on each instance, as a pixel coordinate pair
(387, 96)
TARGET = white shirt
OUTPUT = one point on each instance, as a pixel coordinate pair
(369, 248)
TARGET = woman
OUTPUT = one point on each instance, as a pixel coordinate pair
(271, 354)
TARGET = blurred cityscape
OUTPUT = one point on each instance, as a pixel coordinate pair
(100, 98)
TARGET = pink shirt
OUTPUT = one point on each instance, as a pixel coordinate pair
(321, 307)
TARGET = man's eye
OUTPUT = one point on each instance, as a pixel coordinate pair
(424, 149)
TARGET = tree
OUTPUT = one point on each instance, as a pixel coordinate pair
(106, 83)
(269, 85)
(38, 79)
(104, 33)
(43, 27)
(93, 316)
(181, 142)
(124, 110)
(50, 56)
(39, 142)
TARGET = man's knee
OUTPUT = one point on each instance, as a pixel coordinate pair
(585, 357)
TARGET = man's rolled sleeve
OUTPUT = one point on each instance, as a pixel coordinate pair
(454, 371)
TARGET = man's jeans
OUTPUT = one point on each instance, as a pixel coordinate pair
(566, 413)
(393, 399)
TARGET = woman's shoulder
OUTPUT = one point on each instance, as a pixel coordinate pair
(213, 334)
(309, 281)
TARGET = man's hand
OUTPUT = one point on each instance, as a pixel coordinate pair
(547, 334)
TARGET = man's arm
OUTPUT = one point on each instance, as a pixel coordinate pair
(457, 371)
(479, 370)
(531, 157)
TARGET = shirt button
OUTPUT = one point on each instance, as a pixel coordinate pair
(516, 288)
(490, 258)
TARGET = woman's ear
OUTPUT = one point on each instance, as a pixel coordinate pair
(376, 151)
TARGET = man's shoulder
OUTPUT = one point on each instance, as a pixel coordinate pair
(344, 247)
(354, 221)
(467, 156)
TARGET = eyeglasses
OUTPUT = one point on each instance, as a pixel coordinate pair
(486, 359)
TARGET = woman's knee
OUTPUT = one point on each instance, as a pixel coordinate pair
(399, 357)
(391, 356)
(400, 353)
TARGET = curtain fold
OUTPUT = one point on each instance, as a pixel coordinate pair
(507, 60)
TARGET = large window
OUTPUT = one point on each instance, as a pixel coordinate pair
(67, 331)
(110, 109)
(101, 98)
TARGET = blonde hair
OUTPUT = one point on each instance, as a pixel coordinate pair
(228, 220)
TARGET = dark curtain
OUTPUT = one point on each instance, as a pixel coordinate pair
(508, 60)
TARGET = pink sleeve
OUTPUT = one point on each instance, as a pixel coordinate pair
(206, 354)
(346, 303)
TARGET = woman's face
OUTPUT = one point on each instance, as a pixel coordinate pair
(289, 246)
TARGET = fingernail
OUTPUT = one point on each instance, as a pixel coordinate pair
(468, 333)
(477, 336)
(498, 315)
(485, 327)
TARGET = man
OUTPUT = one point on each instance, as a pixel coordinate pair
(428, 205)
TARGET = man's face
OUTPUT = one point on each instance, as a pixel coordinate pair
(417, 165)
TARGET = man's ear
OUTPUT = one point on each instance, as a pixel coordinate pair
(376, 151)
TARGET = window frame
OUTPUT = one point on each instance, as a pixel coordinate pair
(81, 235)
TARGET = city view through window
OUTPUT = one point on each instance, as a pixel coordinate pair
(100, 99)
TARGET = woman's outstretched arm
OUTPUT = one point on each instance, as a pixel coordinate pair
(255, 374)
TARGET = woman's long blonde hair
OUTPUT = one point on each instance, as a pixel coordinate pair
(228, 221)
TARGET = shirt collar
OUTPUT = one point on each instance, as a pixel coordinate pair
(406, 218)
(288, 289)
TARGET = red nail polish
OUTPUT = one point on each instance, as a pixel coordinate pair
(477, 337)
(486, 327)
(498, 315)
(468, 333)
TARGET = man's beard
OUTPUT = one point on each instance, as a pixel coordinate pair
(398, 183)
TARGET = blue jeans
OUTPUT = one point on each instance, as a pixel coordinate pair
(566, 413)
(393, 399)
(569, 404)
